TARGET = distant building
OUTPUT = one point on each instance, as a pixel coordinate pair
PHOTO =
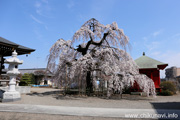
(45, 80)
(173, 74)
(31, 70)
(4, 80)
(151, 68)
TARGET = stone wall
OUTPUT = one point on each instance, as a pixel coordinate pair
(21, 89)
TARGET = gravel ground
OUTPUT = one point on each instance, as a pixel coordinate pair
(52, 97)
(49, 96)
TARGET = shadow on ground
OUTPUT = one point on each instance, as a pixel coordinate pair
(44, 93)
(168, 110)
(59, 95)
(166, 105)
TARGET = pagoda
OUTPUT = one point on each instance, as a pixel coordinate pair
(151, 68)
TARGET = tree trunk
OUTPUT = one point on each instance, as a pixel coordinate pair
(89, 83)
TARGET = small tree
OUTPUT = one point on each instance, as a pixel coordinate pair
(101, 48)
(27, 79)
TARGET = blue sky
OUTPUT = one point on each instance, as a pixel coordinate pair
(153, 26)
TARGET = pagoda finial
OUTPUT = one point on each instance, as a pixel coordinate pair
(143, 53)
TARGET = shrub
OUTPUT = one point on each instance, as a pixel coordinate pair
(166, 93)
(168, 88)
(22, 83)
(27, 79)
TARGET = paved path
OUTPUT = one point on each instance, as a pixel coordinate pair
(47, 104)
(85, 111)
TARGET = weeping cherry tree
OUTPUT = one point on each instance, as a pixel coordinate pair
(96, 47)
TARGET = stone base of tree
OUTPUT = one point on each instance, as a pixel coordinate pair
(11, 96)
(143, 94)
(136, 93)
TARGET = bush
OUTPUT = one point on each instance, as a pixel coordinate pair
(27, 79)
(168, 88)
(166, 93)
(22, 83)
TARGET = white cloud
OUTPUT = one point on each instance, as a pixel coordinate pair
(46, 27)
(36, 20)
(156, 33)
(37, 4)
(39, 12)
(152, 46)
(145, 38)
(42, 7)
(38, 34)
(70, 4)
(156, 53)
(170, 57)
(163, 49)
(152, 35)
(176, 38)
(176, 35)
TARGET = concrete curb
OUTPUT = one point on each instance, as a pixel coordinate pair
(88, 111)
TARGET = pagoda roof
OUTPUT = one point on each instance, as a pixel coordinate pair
(7, 47)
(145, 62)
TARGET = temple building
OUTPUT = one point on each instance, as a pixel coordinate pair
(6, 49)
(151, 68)
(42, 77)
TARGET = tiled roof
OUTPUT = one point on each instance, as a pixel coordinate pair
(32, 70)
(19, 48)
(147, 62)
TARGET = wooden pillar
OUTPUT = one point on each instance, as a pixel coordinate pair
(159, 81)
(2, 63)
(152, 75)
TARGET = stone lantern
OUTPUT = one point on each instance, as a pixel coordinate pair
(12, 94)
